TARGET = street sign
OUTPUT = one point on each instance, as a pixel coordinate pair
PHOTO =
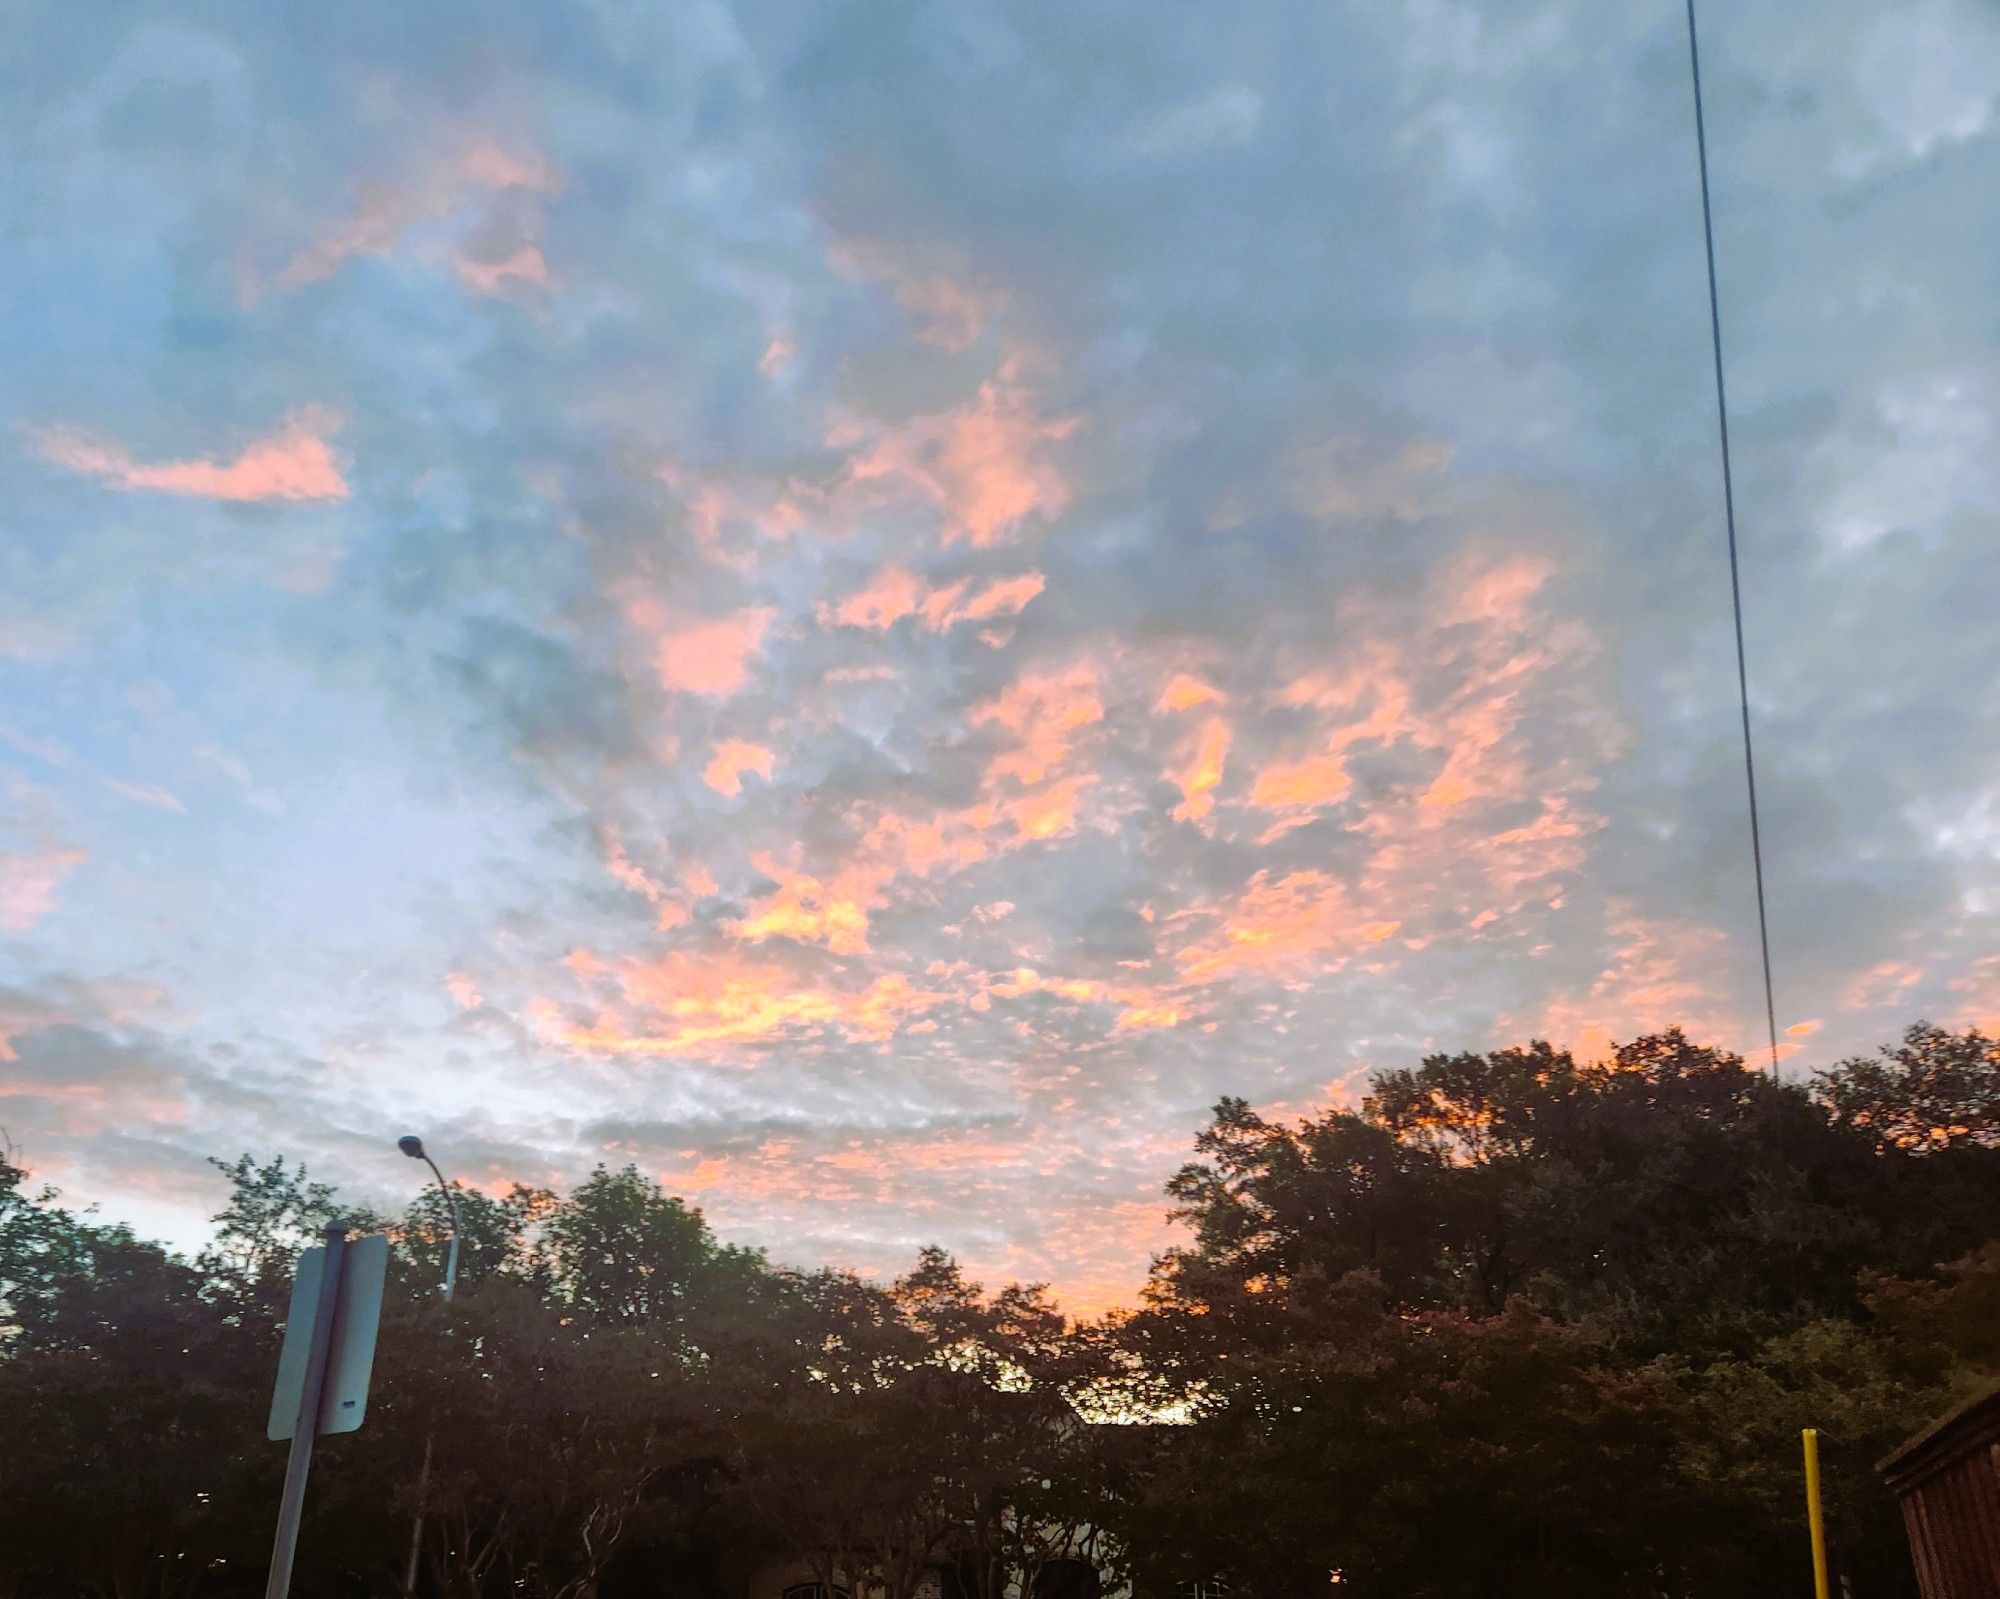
(323, 1369)
(350, 1356)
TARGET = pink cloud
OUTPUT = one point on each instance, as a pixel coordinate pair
(29, 881)
(959, 602)
(734, 757)
(504, 276)
(488, 164)
(894, 593)
(1978, 991)
(950, 311)
(623, 869)
(707, 655)
(952, 314)
(674, 909)
(1031, 789)
(1044, 711)
(294, 464)
(1884, 983)
(778, 356)
(469, 178)
(891, 594)
(1661, 972)
(985, 466)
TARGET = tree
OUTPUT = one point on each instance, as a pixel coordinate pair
(134, 1389)
(1935, 1090)
(619, 1250)
(992, 1397)
(274, 1211)
(1670, 1193)
(42, 1245)
(494, 1235)
(1514, 1324)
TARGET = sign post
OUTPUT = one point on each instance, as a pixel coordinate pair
(323, 1369)
(1815, 1518)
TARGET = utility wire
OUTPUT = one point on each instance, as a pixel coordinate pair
(1729, 515)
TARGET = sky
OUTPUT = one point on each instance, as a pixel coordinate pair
(869, 605)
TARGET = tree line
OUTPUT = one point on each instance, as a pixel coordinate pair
(1515, 1324)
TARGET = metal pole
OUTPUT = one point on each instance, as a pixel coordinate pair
(1815, 1521)
(292, 1504)
(424, 1471)
(451, 1254)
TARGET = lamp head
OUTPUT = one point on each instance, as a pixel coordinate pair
(411, 1145)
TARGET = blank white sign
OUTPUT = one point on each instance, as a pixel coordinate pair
(350, 1361)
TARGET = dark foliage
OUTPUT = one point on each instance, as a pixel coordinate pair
(1516, 1325)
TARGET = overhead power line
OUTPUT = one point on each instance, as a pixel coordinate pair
(1729, 517)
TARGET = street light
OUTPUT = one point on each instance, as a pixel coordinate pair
(413, 1146)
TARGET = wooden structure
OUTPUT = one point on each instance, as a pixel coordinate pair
(1947, 1480)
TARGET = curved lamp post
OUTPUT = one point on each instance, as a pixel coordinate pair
(413, 1146)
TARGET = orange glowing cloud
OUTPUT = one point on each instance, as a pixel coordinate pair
(959, 602)
(734, 757)
(1201, 775)
(1027, 794)
(1377, 683)
(1184, 693)
(956, 839)
(673, 910)
(1882, 984)
(463, 990)
(1454, 847)
(1275, 924)
(811, 912)
(1136, 1018)
(293, 464)
(1090, 1267)
(1141, 1008)
(704, 655)
(1046, 812)
(1044, 711)
(622, 868)
(1662, 972)
(985, 466)
(1978, 989)
(894, 593)
(692, 1004)
(1500, 592)
(1289, 785)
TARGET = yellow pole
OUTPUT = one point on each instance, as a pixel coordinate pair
(1814, 1519)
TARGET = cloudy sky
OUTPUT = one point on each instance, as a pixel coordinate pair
(869, 604)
